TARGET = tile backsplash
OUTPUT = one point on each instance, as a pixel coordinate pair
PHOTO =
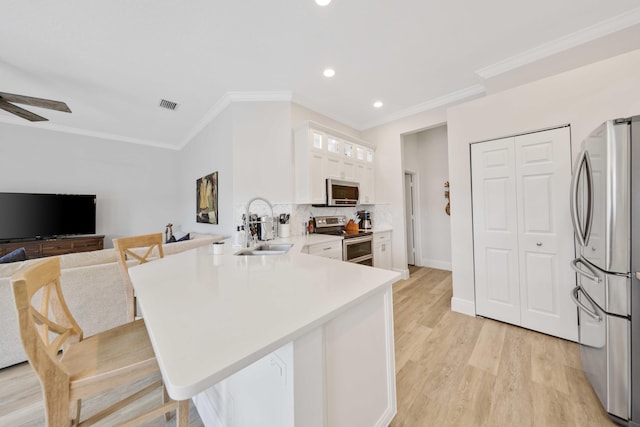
(380, 214)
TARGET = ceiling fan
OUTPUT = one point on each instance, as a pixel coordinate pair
(7, 100)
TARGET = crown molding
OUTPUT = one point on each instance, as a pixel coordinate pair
(226, 100)
(219, 107)
(432, 104)
(213, 112)
(267, 96)
(318, 109)
(85, 132)
(601, 29)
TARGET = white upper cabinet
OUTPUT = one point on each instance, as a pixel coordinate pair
(333, 146)
(322, 153)
(317, 141)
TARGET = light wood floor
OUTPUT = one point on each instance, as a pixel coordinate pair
(452, 370)
(456, 370)
(21, 401)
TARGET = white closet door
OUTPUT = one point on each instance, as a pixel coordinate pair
(545, 237)
(495, 230)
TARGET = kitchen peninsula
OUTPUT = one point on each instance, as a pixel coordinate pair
(289, 339)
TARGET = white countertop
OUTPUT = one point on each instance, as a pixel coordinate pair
(381, 229)
(210, 315)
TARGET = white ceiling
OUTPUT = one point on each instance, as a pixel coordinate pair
(113, 61)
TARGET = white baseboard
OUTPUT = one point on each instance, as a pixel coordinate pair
(403, 271)
(463, 306)
(434, 263)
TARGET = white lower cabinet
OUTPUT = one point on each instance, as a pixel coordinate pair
(360, 365)
(259, 395)
(523, 239)
(331, 250)
(382, 250)
(340, 374)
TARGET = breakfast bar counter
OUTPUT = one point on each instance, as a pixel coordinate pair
(211, 315)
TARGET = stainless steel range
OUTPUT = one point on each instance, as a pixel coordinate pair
(356, 247)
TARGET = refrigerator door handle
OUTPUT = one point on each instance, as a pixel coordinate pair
(574, 296)
(591, 274)
(583, 163)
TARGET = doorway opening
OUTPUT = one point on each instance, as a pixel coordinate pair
(426, 186)
(410, 212)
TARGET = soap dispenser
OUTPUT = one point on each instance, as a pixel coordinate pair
(238, 237)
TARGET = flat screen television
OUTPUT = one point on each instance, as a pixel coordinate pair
(39, 216)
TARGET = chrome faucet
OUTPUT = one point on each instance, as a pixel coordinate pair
(247, 221)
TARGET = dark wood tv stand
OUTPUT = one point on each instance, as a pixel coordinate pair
(57, 246)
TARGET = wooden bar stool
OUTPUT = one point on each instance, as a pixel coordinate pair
(126, 251)
(71, 368)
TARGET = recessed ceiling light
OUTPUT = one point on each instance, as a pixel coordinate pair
(378, 104)
(323, 2)
(329, 72)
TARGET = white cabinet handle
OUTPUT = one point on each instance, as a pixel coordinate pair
(539, 244)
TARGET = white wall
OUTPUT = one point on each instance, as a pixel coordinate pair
(135, 185)
(209, 151)
(425, 153)
(140, 189)
(410, 152)
(263, 151)
(249, 144)
(435, 224)
(583, 98)
(390, 172)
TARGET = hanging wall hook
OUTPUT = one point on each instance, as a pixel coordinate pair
(447, 209)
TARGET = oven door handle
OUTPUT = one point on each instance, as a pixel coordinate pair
(574, 296)
(356, 240)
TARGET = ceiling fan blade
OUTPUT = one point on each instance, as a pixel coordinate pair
(35, 102)
(20, 112)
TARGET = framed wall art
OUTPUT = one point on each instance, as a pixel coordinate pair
(207, 199)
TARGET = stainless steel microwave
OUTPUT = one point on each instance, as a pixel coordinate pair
(342, 193)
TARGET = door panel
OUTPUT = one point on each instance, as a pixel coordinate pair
(498, 270)
(611, 292)
(318, 186)
(538, 203)
(495, 231)
(334, 167)
(543, 176)
(608, 246)
(410, 229)
(349, 170)
(523, 239)
(604, 352)
(596, 145)
(539, 275)
(496, 202)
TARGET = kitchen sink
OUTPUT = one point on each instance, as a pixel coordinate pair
(267, 249)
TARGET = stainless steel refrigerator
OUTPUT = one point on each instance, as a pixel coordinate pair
(605, 210)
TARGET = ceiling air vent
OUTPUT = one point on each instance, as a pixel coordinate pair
(169, 105)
